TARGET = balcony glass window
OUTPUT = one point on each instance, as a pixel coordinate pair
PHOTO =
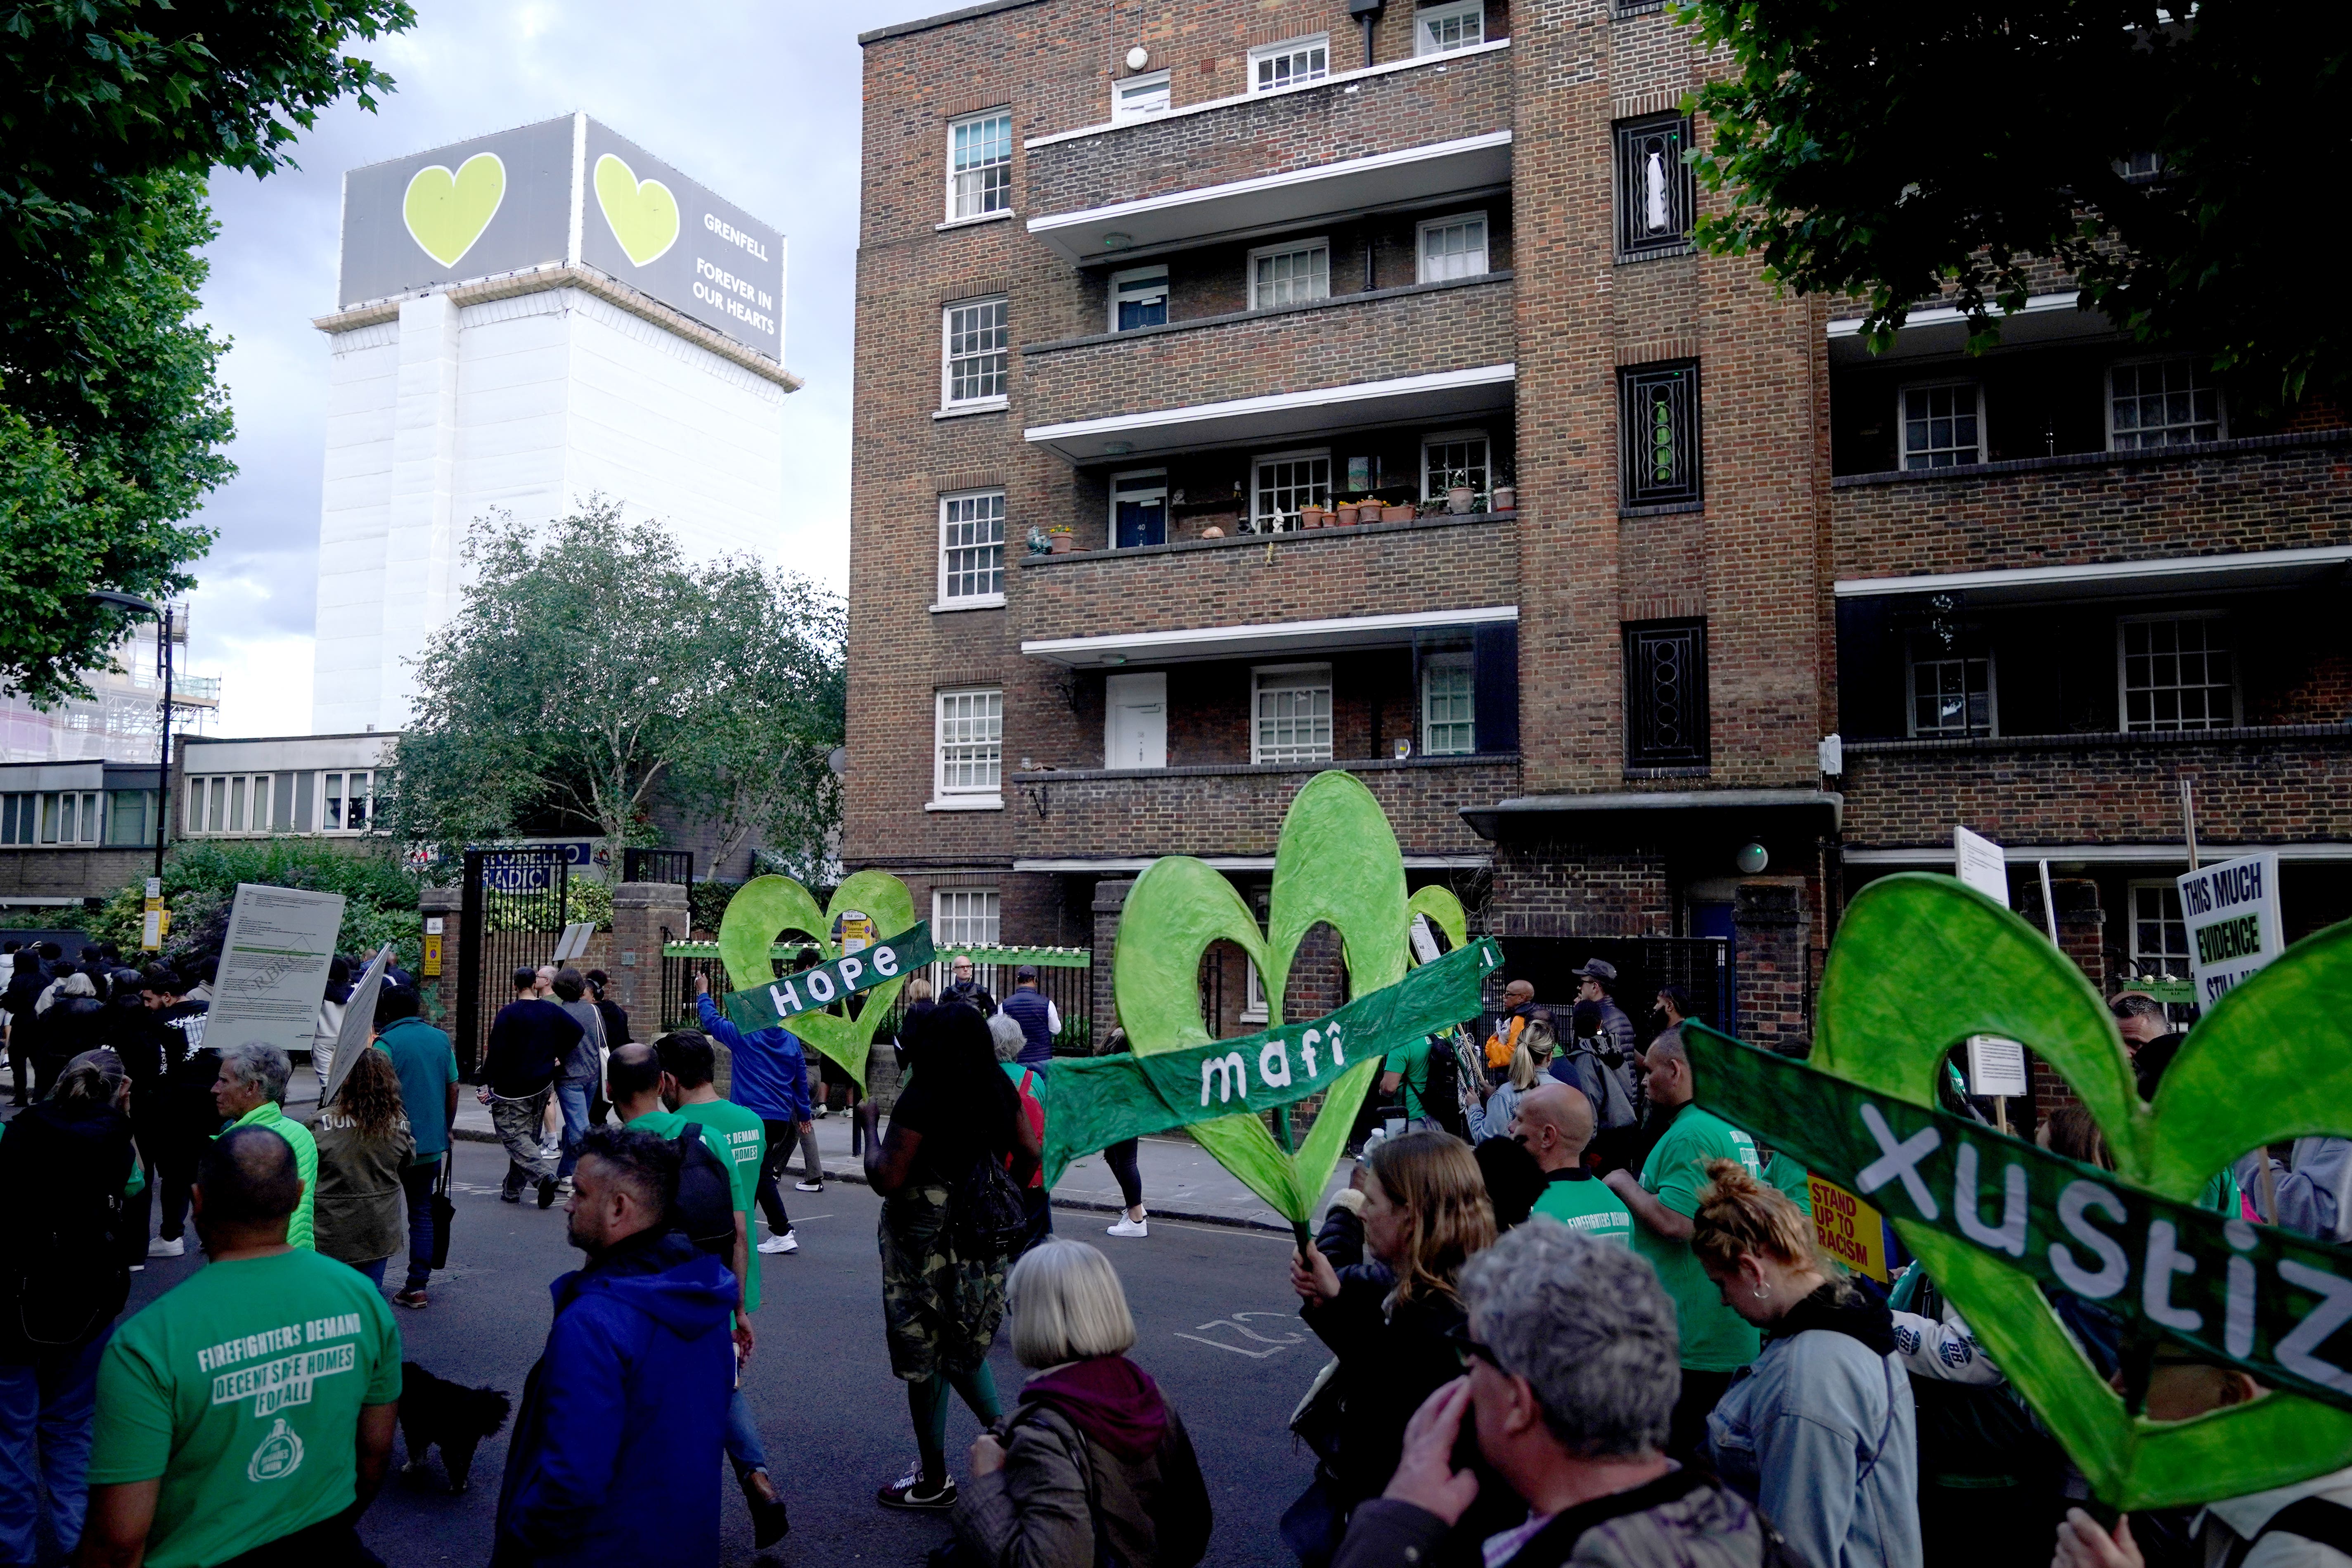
(1655, 191)
(979, 164)
(1448, 696)
(971, 742)
(1454, 457)
(979, 352)
(1951, 688)
(1455, 24)
(971, 547)
(2177, 672)
(1139, 97)
(965, 917)
(1658, 426)
(1290, 274)
(1292, 704)
(1138, 509)
(2159, 403)
(1943, 426)
(1286, 64)
(1666, 694)
(1284, 482)
(1453, 247)
(1138, 299)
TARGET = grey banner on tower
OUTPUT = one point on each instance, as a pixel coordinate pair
(658, 231)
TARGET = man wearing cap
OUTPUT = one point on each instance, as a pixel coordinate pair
(1599, 979)
(1035, 1012)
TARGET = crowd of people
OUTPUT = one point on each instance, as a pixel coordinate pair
(1571, 1316)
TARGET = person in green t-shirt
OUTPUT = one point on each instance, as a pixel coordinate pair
(253, 1403)
(1554, 1122)
(1716, 1341)
(251, 1092)
(1782, 1172)
(1406, 1069)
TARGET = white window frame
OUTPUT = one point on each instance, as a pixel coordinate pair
(1465, 661)
(2221, 403)
(1306, 44)
(964, 796)
(1430, 490)
(319, 801)
(949, 404)
(255, 793)
(1913, 657)
(1139, 87)
(1110, 516)
(1321, 242)
(1260, 676)
(2132, 890)
(1259, 521)
(2123, 674)
(1429, 24)
(983, 904)
(1133, 275)
(980, 601)
(1451, 220)
(980, 212)
(1902, 416)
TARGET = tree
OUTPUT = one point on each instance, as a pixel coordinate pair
(200, 882)
(593, 673)
(1895, 151)
(112, 111)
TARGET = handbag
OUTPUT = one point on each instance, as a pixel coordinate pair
(986, 1218)
(444, 1210)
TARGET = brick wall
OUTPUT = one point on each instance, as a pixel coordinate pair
(1553, 889)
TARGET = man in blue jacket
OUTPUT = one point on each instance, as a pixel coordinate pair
(768, 1076)
(616, 1453)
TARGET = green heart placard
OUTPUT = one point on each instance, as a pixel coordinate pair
(446, 211)
(1919, 964)
(643, 213)
(766, 908)
(1337, 864)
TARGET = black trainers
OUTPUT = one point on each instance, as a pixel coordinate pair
(908, 1493)
(769, 1521)
(547, 1192)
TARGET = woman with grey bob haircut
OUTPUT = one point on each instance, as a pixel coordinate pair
(1093, 1465)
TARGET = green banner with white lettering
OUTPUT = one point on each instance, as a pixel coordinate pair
(765, 1006)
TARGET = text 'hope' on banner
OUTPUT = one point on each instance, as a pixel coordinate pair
(765, 1006)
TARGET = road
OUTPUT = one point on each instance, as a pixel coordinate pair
(1218, 1323)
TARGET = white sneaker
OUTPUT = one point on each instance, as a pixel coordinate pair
(564, 1186)
(175, 1248)
(1126, 1226)
(808, 1186)
(819, 1114)
(787, 1242)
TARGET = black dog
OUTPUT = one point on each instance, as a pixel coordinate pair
(434, 1411)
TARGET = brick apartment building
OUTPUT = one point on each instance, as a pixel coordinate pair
(1169, 278)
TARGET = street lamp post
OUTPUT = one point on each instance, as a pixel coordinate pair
(163, 614)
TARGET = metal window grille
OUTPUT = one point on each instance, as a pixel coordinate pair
(1658, 410)
(1666, 694)
(658, 866)
(2161, 402)
(965, 917)
(972, 544)
(972, 742)
(1941, 428)
(1453, 247)
(1447, 463)
(1439, 29)
(1286, 484)
(2177, 674)
(1291, 277)
(1655, 193)
(1448, 706)
(979, 165)
(1293, 716)
(980, 347)
(1286, 65)
(1951, 692)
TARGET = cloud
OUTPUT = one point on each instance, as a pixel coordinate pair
(762, 103)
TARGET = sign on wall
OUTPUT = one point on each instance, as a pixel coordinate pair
(2231, 913)
(562, 191)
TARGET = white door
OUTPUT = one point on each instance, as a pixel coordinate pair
(1135, 721)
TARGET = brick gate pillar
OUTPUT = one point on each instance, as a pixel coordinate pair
(1111, 897)
(1772, 926)
(438, 992)
(640, 910)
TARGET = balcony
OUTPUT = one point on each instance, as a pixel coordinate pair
(1439, 125)
(1424, 352)
(1121, 819)
(2259, 494)
(2289, 784)
(1314, 582)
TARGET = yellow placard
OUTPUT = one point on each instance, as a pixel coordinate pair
(1848, 1229)
(431, 954)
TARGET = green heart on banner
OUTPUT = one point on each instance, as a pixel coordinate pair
(446, 211)
(641, 213)
(1919, 964)
(1336, 863)
(766, 908)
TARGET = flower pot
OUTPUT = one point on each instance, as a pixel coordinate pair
(1460, 499)
(1063, 543)
(1506, 498)
(1213, 531)
(1314, 517)
(1396, 514)
(1343, 515)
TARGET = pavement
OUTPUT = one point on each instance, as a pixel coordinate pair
(1181, 1179)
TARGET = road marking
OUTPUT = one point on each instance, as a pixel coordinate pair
(1276, 1346)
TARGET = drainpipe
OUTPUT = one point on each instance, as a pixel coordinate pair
(1367, 12)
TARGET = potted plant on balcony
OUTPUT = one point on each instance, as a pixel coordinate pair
(1313, 514)
(1460, 498)
(1400, 509)
(1061, 538)
(1507, 491)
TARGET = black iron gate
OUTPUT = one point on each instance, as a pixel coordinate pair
(1701, 966)
(513, 911)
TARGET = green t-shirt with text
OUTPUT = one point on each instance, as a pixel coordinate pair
(1580, 1202)
(1715, 1338)
(747, 1145)
(241, 1389)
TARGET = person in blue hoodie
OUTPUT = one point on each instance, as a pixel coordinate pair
(768, 1076)
(615, 1457)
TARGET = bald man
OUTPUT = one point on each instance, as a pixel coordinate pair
(1554, 1123)
(1518, 1006)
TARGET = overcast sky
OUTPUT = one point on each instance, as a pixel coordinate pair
(759, 101)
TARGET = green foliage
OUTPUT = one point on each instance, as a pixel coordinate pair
(582, 900)
(594, 671)
(1891, 150)
(706, 902)
(200, 882)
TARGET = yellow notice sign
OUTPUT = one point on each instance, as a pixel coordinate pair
(1849, 1229)
(431, 954)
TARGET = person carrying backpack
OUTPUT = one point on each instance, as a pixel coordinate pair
(64, 1274)
(704, 1209)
